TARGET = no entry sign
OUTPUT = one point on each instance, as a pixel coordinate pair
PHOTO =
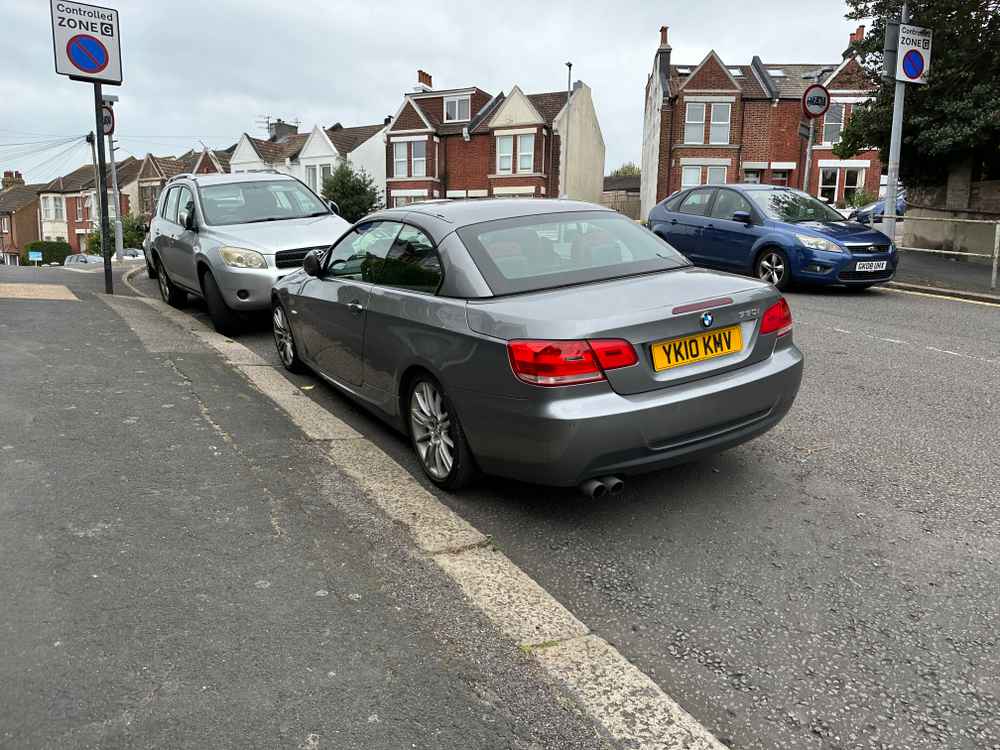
(914, 56)
(86, 42)
(107, 119)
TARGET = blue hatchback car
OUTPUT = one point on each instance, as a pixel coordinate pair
(778, 234)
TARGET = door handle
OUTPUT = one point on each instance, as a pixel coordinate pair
(356, 307)
(673, 221)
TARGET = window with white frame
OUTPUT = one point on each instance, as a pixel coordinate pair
(833, 123)
(828, 184)
(716, 176)
(325, 170)
(46, 210)
(854, 182)
(719, 130)
(400, 158)
(751, 176)
(79, 209)
(505, 154)
(456, 108)
(694, 123)
(311, 177)
(419, 165)
(690, 177)
(4, 224)
(779, 177)
(526, 153)
(59, 206)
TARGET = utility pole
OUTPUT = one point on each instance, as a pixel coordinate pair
(564, 168)
(892, 183)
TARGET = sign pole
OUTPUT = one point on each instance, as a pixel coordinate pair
(102, 189)
(892, 181)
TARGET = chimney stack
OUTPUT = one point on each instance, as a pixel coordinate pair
(387, 120)
(424, 82)
(278, 130)
(858, 35)
(11, 178)
(663, 36)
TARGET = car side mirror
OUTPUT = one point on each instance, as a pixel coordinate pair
(334, 207)
(743, 217)
(311, 264)
(188, 221)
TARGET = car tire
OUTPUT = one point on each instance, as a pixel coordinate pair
(284, 340)
(437, 436)
(170, 293)
(772, 266)
(150, 270)
(225, 319)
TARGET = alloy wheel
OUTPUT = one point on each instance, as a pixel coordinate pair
(772, 268)
(431, 427)
(161, 278)
(283, 337)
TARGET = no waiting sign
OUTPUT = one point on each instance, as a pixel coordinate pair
(86, 42)
(913, 59)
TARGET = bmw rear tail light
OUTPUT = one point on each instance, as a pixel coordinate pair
(777, 319)
(553, 363)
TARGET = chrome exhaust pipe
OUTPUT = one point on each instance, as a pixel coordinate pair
(615, 485)
(594, 488)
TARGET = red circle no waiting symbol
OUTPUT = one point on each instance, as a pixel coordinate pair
(815, 100)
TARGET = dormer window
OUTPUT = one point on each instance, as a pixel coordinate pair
(456, 108)
(776, 72)
(735, 72)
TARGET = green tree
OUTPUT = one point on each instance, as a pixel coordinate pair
(628, 169)
(955, 117)
(133, 231)
(355, 193)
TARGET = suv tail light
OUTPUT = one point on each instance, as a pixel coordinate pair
(552, 363)
(777, 318)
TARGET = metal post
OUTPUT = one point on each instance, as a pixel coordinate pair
(809, 152)
(117, 198)
(892, 183)
(102, 191)
(996, 254)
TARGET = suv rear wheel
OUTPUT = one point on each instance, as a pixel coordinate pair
(172, 295)
(225, 320)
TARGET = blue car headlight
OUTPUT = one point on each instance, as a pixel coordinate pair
(818, 243)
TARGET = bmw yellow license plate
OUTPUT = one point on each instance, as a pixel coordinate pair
(690, 349)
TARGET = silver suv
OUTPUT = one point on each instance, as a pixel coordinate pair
(228, 238)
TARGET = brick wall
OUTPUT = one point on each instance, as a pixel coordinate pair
(408, 119)
(468, 163)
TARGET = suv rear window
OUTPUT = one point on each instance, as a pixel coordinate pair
(263, 200)
(545, 251)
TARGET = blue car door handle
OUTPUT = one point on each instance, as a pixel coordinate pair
(673, 221)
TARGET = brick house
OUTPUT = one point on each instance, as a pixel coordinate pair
(716, 122)
(68, 210)
(18, 217)
(467, 143)
(154, 172)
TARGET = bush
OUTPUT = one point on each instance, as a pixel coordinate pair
(52, 252)
(356, 193)
(861, 198)
(93, 244)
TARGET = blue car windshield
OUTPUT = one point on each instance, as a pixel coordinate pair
(792, 206)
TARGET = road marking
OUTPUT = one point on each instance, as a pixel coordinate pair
(614, 692)
(886, 339)
(939, 296)
(37, 291)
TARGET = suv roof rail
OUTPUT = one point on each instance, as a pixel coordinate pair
(182, 174)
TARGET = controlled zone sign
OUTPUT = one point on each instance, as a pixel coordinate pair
(86, 42)
(913, 59)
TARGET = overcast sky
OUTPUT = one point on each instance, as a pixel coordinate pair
(206, 70)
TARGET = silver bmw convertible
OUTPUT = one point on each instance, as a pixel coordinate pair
(548, 341)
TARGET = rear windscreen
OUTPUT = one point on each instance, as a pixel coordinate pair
(543, 251)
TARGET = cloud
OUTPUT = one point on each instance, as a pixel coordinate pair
(205, 70)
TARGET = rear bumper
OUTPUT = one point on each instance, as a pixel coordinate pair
(563, 442)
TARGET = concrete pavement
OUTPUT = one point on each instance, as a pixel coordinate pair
(182, 568)
(832, 584)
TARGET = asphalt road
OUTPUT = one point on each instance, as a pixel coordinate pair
(833, 584)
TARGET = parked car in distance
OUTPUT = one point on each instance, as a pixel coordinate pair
(873, 213)
(775, 233)
(548, 341)
(81, 259)
(229, 237)
(133, 253)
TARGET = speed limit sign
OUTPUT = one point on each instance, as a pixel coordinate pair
(107, 119)
(815, 100)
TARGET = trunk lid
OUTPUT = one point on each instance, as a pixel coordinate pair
(643, 310)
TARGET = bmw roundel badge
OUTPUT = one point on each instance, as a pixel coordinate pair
(707, 319)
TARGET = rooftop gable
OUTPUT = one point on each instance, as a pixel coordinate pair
(710, 73)
(348, 139)
(516, 109)
(410, 116)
